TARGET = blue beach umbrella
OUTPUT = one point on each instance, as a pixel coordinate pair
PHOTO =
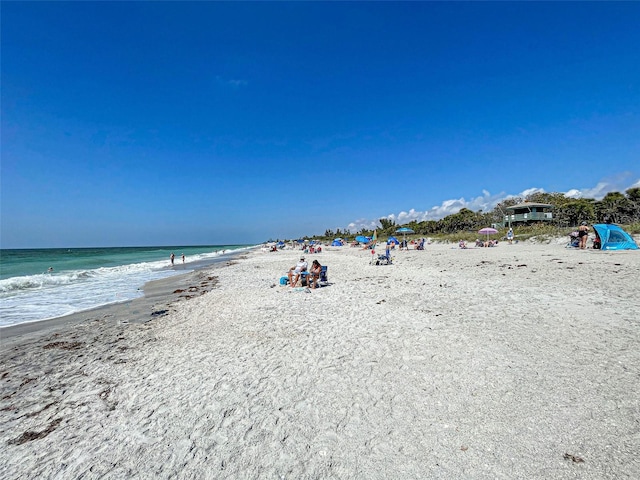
(362, 239)
(393, 239)
(404, 231)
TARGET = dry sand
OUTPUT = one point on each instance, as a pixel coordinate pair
(521, 361)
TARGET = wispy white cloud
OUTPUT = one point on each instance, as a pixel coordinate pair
(361, 223)
(597, 192)
(573, 193)
(233, 83)
(617, 183)
(487, 202)
(529, 191)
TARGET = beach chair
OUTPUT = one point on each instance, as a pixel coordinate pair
(384, 260)
(324, 280)
(573, 240)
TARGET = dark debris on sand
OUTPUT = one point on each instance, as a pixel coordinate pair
(29, 436)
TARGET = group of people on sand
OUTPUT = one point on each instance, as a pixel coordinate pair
(418, 244)
(488, 243)
(479, 243)
(581, 235)
(301, 269)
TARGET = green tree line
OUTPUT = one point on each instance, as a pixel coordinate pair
(615, 207)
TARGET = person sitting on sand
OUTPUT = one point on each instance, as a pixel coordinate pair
(462, 244)
(314, 274)
(296, 270)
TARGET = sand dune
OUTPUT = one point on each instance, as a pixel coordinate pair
(521, 361)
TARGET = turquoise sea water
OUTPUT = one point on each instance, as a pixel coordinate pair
(36, 284)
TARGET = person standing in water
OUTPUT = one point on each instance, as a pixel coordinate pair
(172, 257)
(183, 258)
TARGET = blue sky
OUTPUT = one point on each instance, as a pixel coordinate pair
(165, 123)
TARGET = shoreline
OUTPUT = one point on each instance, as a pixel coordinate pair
(157, 294)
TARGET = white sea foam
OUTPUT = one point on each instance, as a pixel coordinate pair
(50, 295)
(37, 297)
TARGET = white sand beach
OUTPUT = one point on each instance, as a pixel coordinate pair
(521, 361)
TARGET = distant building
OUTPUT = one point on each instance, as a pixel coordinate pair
(527, 213)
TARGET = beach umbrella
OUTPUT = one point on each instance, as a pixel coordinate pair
(362, 239)
(487, 231)
(393, 239)
(404, 231)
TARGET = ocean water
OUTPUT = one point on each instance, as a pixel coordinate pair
(37, 284)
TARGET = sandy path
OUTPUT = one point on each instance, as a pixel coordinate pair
(520, 361)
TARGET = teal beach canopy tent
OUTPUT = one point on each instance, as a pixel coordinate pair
(612, 237)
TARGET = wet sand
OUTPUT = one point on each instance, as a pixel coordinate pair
(157, 298)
